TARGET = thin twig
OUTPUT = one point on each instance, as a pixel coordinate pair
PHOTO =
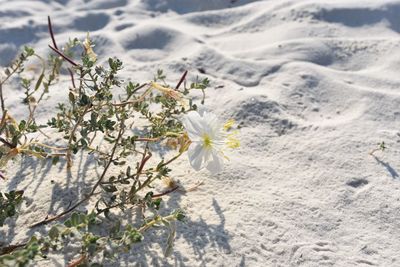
(55, 47)
(72, 78)
(11, 73)
(3, 121)
(61, 54)
(181, 80)
(145, 158)
(144, 139)
(3, 107)
(4, 141)
(121, 131)
(165, 193)
(78, 261)
(190, 189)
(72, 134)
(51, 32)
(139, 99)
(47, 220)
(143, 162)
(171, 160)
(11, 248)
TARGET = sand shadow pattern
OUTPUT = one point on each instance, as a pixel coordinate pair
(358, 17)
(388, 167)
(31, 176)
(197, 233)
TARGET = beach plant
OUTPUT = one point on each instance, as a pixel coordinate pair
(380, 147)
(123, 125)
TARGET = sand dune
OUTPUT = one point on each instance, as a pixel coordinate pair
(315, 85)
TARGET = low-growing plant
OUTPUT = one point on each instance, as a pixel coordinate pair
(381, 147)
(123, 124)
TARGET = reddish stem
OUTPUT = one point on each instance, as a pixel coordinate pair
(64, 56)
(181, 80)
(166, 192)
(78, 261)
(72, 77)
(51, 32)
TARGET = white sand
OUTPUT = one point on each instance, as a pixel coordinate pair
(315, 85)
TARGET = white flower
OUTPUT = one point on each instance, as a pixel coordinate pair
(208, 138)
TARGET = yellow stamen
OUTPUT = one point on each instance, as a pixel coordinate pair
(232, 141)
(229, 124)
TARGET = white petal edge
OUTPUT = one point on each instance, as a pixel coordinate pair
(196, 155)
(193, 125)
(216, 164)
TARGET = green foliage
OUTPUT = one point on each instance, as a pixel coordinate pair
(22, 257)
(9, 203)
(131, 126)
(382, 146)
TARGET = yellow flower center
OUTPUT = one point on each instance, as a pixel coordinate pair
(207, 141)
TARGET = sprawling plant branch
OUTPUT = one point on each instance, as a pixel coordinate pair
(85, 199)
(128, 127)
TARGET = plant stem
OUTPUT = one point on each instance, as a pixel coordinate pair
(11, 248)
(69, 160)
(4, 141)
(165, 193)
(51, 32)
(156, 220)
(3, 108)
(61, 54)
(181, 80)
(78, 261)
(111, 159)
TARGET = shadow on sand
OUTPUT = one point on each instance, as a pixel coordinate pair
(198, 234)
(388, 167)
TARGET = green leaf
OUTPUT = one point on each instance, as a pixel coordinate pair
(29, 51)
(84, 100)
(75, 219)
(68, 223)
(39, 82)
(55, 160)
(54, 233)
(110, 188)
(22, 125)
(8, 204)
(71, 97)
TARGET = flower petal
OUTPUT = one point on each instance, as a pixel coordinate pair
(212, 124)
(201, 109)
(196, 155)
(193, 125)
(216, 164)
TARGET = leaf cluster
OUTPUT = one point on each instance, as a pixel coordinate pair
(123, 124)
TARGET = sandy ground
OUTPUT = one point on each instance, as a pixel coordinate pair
(314, 85)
